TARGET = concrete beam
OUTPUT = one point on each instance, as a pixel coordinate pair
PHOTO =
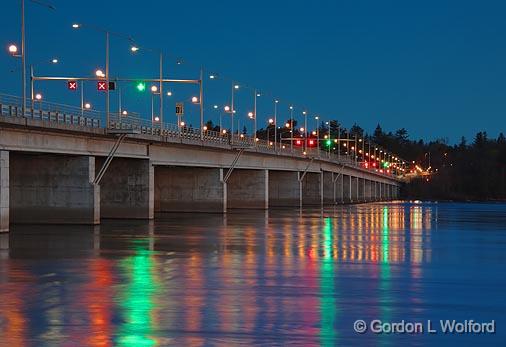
(248, 189)
(53, 189)
(4, 191)
(189, 189)
(127, 189)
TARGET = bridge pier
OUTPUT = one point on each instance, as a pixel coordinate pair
(248, 189)
(127, 189)
(189, 189)
(284, 188)
(367, 190)
(312, 189)
(354, 194)
(53, 189)
(4, 191)
(329, 187)
(346, 185)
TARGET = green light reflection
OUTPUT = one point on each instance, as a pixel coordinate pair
(137, 300)
(328, 335)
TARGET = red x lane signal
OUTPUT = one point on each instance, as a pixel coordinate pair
(72, 85)
(101, 85)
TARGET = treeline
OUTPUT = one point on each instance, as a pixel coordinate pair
(467, 171)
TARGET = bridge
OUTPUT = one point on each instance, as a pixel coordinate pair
(60, 165)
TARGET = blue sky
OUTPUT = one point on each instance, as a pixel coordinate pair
(437, 68)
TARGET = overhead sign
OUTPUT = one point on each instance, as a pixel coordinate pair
(101, 85)
(72, 85)
(179, 108)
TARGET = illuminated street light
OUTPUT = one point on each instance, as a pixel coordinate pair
(182, 124)
(87, 105)
(157, 119)
(154, 89)
(134, 49)
(227, 108)
(13, 49)
(215, 107)
(271, 121)
(205, 128)
(54, 61)
(224, 131)
(76, 26)
(250, 115)
(287, 125)
(99, 73)
(124, 113)
(38, 96)
(212, 77)
(169, 93)
(195, 100)
(236, 86)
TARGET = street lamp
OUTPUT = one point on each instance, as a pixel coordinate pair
(38, 97)
(154, 91)
(13, 50)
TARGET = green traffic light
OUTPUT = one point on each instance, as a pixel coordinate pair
(328, 142)
(141, 86)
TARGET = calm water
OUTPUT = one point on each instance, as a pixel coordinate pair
(257, 278)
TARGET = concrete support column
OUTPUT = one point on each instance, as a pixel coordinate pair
(329, 189)
(190, 189)
(248, 189)
(53, 189)
(350, 186)
(380, 191)
(285, 190)
(311, 188)
(4, 191)
(127, 189)
(342, 188)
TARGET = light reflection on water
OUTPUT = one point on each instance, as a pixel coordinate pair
(256, 277)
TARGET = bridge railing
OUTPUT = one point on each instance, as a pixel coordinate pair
(10, 106)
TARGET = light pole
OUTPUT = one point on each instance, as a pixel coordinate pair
(291, 128)
(270, 123)
(13, 50)
(305, 129)
(106, 76)
(317, 135)
(32, 82)
(275, 124)
(135, 49)
(154, 91)
(38, 97)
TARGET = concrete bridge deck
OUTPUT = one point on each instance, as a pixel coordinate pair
(49, 162)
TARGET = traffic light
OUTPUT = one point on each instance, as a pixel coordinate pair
(298, 142)
(328, 142)
(141, 86)
(72, 85)
(112, 85)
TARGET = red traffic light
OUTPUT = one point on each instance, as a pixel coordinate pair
(298, 142)
(101, 85)
(72, 85)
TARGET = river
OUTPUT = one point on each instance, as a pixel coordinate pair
(271, 278)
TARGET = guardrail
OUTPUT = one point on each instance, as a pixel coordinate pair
(10, 106)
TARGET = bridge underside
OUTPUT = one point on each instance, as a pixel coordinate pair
(55, 188)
